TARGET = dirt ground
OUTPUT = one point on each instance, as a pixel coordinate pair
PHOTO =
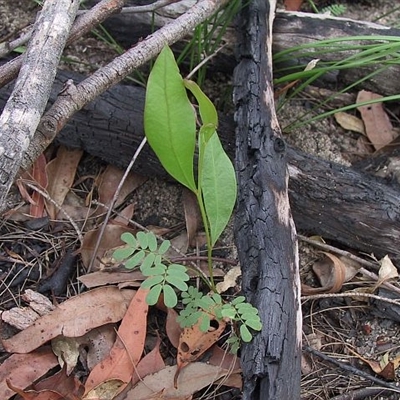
(336, 324)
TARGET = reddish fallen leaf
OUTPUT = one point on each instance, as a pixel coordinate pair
(127, 349)
(109, 182)
(192, 215)
(125, 215)
(233, 380)
(384, 368)
(193, 342)
(20, 370)
(73, 318)
(332, 273)
(69, 387)
(34, 395)
(378, 127)
(111, 239)
(112, 277)
(174, 330)
(149, 364)
(160, 385)
(224, 359)
(61, 173)
(40, 177)
(350, 122)
(293, 5)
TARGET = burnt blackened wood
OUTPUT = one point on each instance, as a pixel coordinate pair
(265, 233)
(111, 128)
(349, 207)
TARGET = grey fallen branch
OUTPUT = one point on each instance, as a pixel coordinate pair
(74, 97)
(84, 24)
(23, 111)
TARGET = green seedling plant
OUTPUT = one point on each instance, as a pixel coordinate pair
(170, 127)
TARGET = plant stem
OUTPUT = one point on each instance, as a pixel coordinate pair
(200, 201)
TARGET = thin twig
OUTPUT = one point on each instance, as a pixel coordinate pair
(352, 369)
(324, 246)
(361, 394)
(352, 294)
(363, 271)
(48, 198)
(8, 47)
(113, 201)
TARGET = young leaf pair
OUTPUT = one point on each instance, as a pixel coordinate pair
(170, 127)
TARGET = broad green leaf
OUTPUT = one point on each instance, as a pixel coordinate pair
(135, 260)
(165, 245)
(170, 298)
(153, 295)
(218, 187)
(237, 300)
(152, 241)
(123, 253)
(228, 313)
(254, 324)
(153, 280)
(183, 276)
(208, 113)
(217, 298)
(158, 269)
(245, 334)
(178, 283)
(177, 267)
(129, 239)
(204, 323)
(142, 239)
(148, 261)
(169, 119)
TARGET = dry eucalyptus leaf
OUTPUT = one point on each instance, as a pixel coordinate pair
(332, 272)
(73, 318)
(67, 351)
(377, 124)
(61, 173)
(160, 385)
(193, 342)
(387, 269)
(192, 215)
(350, 122)
(229, 280)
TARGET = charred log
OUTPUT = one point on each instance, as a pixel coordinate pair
(112, 127)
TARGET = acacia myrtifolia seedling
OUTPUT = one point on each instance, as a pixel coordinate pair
(170, 128)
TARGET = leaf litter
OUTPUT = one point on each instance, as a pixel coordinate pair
(168, 389)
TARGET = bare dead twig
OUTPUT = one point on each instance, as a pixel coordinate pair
(47, 197)
(363, 271)
(113, 201)
(351, 294)
(352, 369)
